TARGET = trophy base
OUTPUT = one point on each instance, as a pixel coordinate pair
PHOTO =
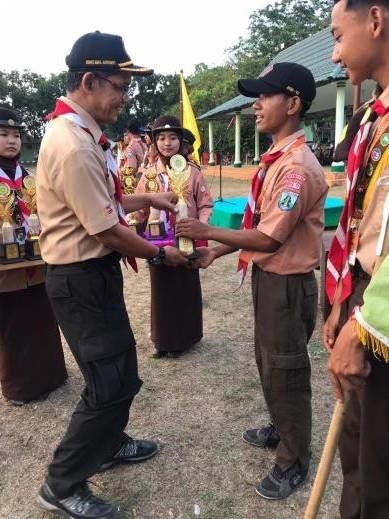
(9, 253)
(187, 247)
(137, 227)
(156, 230)
(32, 249)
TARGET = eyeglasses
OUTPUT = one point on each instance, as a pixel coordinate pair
(123, 89)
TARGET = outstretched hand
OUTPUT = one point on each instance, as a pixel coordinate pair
(166, 201)
(192, 228)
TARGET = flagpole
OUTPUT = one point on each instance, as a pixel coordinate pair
(181, 101)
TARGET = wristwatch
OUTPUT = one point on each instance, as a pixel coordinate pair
(158, 259)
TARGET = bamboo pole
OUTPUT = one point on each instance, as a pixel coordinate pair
(326, 459)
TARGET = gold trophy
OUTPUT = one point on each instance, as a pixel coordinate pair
(179, 175)
(31, 246)
(128, 178)
(155, 227)
(9, 247)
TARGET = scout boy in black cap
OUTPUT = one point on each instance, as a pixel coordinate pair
(281, 236)
(84, 235)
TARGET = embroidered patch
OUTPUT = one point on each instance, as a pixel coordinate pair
(287, 200)
(384, 140)
(376, 154)
(108, 210)
(294, 181)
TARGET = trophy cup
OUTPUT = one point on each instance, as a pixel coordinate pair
(31, 246)
(9, 248)
(179, 183)
(128, 179)
(155, 227)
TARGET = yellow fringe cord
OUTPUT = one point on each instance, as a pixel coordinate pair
(379, 349)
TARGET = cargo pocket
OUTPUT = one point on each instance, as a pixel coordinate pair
(290, 372)
(110, 367)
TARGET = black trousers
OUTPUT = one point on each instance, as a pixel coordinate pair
(285, 313)
(88, 302)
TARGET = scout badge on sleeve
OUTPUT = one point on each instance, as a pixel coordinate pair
(179, 183)
(287, 200)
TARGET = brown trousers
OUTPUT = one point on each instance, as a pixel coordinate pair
(285, 313)
(364, 442)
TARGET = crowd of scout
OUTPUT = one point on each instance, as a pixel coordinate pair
(82, 245)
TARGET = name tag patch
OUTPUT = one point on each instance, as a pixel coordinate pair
(287, 200)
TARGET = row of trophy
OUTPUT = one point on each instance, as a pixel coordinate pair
(15, 243)
(179, 174)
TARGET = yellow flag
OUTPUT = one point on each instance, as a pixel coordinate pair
(188, 118)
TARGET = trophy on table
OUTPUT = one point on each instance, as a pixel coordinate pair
(155, 227)
(129, 183)
(179, 175)
(9, 247)
(31, 246)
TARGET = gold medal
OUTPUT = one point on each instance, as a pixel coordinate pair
(29, 182)
(5, 190)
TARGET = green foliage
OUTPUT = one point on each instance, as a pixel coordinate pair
(149, 97)
(32, 95)
(276, 27)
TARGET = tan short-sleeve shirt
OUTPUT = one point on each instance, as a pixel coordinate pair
(135, 153)
(370, 226)
(75, 191)
(294, 192)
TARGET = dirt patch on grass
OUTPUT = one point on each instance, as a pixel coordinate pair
(196, 407)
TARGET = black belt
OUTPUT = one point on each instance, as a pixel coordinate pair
(110, 259)
(358, 272)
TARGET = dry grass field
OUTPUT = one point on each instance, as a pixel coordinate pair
(195, 406)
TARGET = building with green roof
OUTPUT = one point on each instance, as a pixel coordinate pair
(326, 118)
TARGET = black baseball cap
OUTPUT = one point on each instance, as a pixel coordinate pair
(102, 51)
(291, 79)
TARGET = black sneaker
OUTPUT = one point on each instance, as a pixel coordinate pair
(132, 451)
(279, 484)
(80, 505)
(266, 437)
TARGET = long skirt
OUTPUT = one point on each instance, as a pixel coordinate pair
(31, 356)
(176, 308)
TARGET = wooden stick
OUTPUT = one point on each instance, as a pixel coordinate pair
(326, 459)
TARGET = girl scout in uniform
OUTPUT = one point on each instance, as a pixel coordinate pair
(31, 356)
(176, 303)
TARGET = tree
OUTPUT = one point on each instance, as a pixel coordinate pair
(274, 28)
(32, 95)
(149, 97)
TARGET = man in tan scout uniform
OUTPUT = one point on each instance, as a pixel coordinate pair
(281, 234)
(83, 239)
(361, 33)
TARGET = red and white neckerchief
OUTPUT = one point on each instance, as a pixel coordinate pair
(16, 186)
(254, 200)
(64, 110)
(338, 265)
